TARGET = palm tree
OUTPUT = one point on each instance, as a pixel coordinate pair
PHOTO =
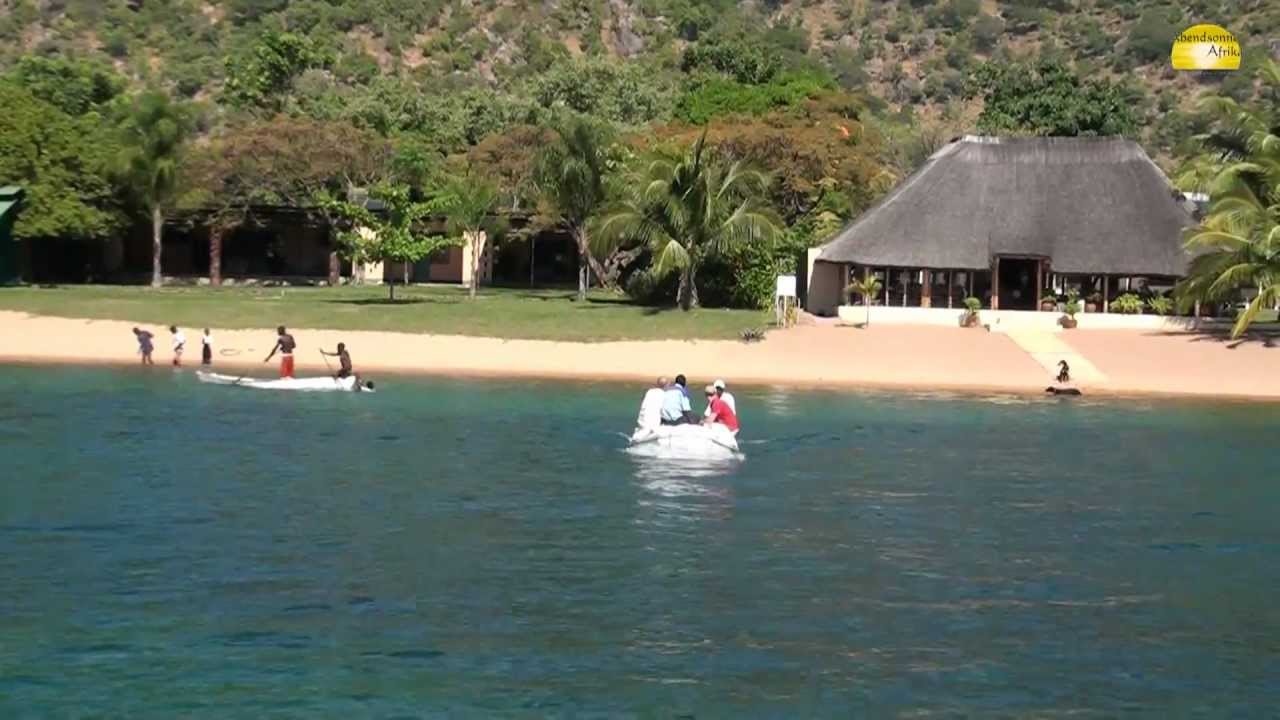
(688, 209)
(572, 174)
(1237, 245)
(868, 287)
(468, 204)
(154, 133)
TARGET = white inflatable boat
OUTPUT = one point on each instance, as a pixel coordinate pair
(685, 441)
(317, 384)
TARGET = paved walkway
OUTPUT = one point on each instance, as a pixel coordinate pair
(1047, 348)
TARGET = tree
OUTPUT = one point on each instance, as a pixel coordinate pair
(1237, 245)
(259, 78)
(572, 174)
(64, 164)
(283, 161)
(687, 209)
(387, 226)
(468, 204)
(1047, 98)
(152, 140)
(73, 86)
(868, 288)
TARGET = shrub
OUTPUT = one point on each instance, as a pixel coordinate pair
(1126, 304)
(987, 31)
(1160, 305)
(972, 304)
(1152, 35)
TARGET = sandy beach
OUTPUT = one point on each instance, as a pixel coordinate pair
(932, 358)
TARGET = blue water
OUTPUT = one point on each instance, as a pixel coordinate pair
(450, 548)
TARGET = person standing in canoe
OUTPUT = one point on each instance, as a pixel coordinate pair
(344, 361)
(285, 345)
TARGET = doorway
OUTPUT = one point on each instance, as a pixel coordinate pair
(1018, 283)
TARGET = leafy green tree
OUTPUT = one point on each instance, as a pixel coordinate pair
(1237, 245)
(468, 204)
(387, 226)
(1049, 99)
(260, 77)
(63, 162)
(73, 86)
(153, 137)
(686, 209)
(292, 162)
(573, 176)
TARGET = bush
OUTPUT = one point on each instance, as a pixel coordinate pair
(1126, 304)
(1160, 305)
(1152, 35)
(987, 32)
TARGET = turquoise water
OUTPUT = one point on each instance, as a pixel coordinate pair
(483, 549)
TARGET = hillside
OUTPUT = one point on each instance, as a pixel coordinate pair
(912, 54)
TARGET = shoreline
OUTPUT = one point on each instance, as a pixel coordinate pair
(886, 358)
(573, 377)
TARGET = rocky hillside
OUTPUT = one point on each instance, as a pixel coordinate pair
(912, 57)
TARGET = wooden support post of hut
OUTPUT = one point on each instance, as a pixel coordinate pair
(995, 284)
(926, 290)
(1039, 282)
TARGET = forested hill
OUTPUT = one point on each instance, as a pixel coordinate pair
(349, 55)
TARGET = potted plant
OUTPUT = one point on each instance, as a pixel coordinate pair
(1127, 304)
(1049, 303)
(971, 307)
(1072, 307)
(1093, 302)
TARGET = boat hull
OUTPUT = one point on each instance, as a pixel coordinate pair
(685, 441)
(320, 384)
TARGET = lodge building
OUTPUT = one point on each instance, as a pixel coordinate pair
(1010, 221)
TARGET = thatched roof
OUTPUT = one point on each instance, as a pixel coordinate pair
(1091, 205)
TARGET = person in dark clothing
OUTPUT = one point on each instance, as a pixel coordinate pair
(344, 360)
(145, 346)
(206, 349)
(1064, 372)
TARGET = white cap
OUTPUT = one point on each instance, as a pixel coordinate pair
(718, 384)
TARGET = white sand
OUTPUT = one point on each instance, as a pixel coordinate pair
(883, 356)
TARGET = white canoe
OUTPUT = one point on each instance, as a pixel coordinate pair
(318, 384)
(684, 441)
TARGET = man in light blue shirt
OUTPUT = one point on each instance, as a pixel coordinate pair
(676, 409)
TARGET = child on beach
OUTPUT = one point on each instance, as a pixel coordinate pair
(179, 344)
(206, 352)
(144, 345)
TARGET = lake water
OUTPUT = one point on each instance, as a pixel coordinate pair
(483, 549)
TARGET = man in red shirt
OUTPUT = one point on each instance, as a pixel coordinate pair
(720, 411)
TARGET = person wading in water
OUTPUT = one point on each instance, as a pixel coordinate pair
(285, 345)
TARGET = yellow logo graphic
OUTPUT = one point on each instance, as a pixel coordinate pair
(1205, 47)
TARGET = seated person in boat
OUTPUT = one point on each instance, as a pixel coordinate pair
(719, 411)
(676, 409)
(650, 416)
(723, 394)
(344, 360)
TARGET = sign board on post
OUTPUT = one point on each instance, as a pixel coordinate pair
(786, 286)
(784, 296)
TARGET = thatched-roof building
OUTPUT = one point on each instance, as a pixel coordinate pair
(1008, 220)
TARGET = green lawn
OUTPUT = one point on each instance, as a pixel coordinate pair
(504, 313)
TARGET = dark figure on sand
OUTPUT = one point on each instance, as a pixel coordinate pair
(1064, 372)
(206, 350)
(145, 346)
(285, 345)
